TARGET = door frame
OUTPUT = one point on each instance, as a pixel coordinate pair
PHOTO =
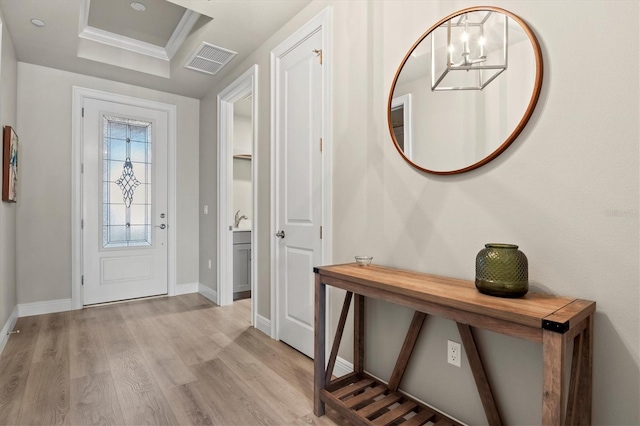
(79, 94)
(246, 84)
(404, 101)
(320, 23)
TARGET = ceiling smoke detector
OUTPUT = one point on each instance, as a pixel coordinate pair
(209, 58)
(138, 6)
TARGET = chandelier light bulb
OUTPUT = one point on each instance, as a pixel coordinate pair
(467, 66)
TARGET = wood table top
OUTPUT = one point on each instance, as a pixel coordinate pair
(529, 310)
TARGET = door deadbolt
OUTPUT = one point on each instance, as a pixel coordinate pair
(161, 226)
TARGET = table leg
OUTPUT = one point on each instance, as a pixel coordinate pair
(358, 333)
(586, 373)
(338, 337)
(553, 351)
(319, 381)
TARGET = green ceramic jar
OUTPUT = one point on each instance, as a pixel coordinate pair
(502, 270)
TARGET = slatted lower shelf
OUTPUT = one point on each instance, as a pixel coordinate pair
(363, 400)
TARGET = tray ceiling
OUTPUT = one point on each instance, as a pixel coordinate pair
(155, 25)
(238, 25)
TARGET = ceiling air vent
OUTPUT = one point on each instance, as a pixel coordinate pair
(209, 59)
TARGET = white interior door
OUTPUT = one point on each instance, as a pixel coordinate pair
(298, 189)
(124, 202)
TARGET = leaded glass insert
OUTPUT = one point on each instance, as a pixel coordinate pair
(126, 182)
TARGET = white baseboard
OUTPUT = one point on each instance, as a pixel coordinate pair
(47, 307)
(342, 367)
(8, 326)
(187, 288)
(209, 293)
(263, 324)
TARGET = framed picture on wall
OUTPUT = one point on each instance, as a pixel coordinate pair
(9, 164)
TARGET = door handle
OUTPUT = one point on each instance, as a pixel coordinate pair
(280, 234)
(161, 226)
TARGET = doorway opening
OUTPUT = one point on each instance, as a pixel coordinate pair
(237, 194)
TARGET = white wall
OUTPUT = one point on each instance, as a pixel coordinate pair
(208, 189)
(242, 190)
(242, 141)
(566, 191)
(8, 84)
(44, 212)
(242, 132)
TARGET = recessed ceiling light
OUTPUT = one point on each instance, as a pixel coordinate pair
(38, 22)
(138, 6)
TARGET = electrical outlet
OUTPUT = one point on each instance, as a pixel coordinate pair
(206, 209)
(209, 263)
(454, 352)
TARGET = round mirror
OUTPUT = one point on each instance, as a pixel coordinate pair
(465, 90)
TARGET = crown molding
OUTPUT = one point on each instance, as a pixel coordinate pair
(181, 32)
(122, 42)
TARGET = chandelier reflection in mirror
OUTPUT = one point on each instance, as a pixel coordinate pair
(469, 51)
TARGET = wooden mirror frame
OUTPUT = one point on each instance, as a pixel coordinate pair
(537, 87)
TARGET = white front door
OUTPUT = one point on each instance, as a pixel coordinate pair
(298, 172)
(124, 201)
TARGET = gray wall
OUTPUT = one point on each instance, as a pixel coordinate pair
(566, 191)
(8, 83)
(208, 184)
(44, 213)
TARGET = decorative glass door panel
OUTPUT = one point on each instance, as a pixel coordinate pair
(125, 201)
(126, 182)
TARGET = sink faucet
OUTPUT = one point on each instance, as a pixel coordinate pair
(238, 218)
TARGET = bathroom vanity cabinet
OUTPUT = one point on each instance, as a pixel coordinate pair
(550, 320)
(241, 263)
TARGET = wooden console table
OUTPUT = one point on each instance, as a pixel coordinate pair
(543, 318)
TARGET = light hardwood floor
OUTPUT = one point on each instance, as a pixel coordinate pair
(178, 360)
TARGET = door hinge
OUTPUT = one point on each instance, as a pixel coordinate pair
(82, 280)
(321, 232)
(81, 223)
(320, 144)
(318, 53)
(83, 111)
(82, 168)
